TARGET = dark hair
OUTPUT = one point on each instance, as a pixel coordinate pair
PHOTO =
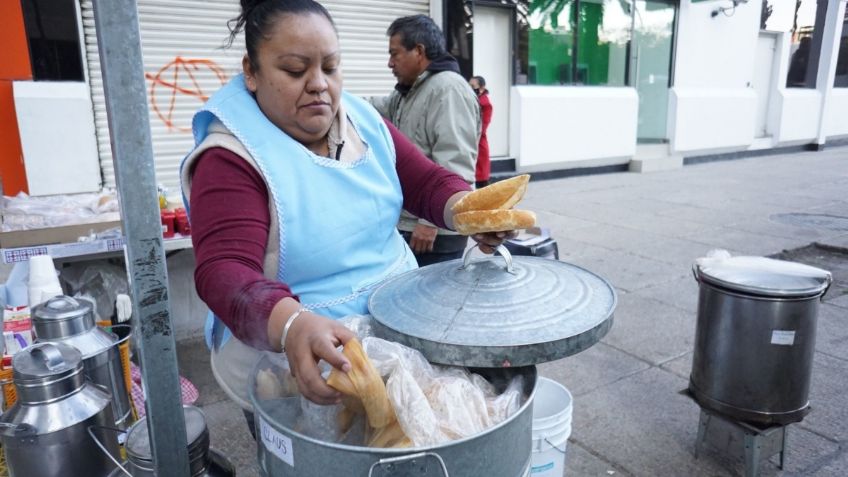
(419, 29)
(257, 18)
(480, 80)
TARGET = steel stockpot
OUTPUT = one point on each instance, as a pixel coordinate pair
(63, 319)
(46, 432)
(203, 461)
(498, 317)
(755, 337)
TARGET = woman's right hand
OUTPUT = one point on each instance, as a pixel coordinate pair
(311, 338)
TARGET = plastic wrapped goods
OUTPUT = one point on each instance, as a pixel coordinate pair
(431, 404)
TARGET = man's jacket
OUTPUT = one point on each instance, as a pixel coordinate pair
(441, 115)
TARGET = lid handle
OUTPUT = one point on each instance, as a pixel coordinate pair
(50, 354)
(466, 257)
(62, 302)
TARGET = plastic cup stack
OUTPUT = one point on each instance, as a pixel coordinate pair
(43, 281)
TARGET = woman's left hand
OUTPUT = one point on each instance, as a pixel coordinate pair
(489, 241)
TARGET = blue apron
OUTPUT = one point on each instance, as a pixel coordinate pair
(338, 238)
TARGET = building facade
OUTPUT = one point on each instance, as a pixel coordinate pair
(639, 84)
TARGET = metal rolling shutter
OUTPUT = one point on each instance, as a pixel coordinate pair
(185, 61)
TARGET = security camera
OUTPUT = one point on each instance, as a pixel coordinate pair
(724, 10)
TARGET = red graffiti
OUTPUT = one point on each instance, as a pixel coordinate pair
(179, 79)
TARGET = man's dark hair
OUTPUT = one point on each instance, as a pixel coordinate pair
(480, 80)
(419, 29)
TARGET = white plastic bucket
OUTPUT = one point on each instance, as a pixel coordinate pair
(551, 428)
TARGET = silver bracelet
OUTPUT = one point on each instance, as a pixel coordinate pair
(288, 325)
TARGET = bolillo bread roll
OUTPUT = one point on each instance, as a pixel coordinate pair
(500, 195)
(481, 221)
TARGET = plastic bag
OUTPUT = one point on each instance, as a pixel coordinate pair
(433, 403)
(23, 212)
(98, 281)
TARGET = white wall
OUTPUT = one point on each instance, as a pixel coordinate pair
(836, 118)
(799, 110)
(572, 126)
(711, 118)
(56, 126)
(712, 105)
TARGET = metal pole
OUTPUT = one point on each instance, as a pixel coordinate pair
(118, 40)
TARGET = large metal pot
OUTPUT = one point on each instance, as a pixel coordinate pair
(501, 451)
(63, 319)
(499, 317)
(755, 337)
(203, 461)
(46, 432)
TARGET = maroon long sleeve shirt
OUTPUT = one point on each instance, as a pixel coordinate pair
(230, 221)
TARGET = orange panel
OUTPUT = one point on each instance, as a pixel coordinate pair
(15, 63)
(12, 171)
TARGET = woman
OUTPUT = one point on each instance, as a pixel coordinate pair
(295, 189)
(483, 170)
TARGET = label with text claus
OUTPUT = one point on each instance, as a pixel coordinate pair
(276, 443)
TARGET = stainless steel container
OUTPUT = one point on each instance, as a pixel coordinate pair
(45, 433)
(203, 461)
(63, 319)
(503, 450)
(755, 337)
(499, 316)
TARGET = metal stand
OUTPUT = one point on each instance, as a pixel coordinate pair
(741, 440)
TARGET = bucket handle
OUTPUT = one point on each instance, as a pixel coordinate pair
(103, 448)
(553, 446)
(503, 251)
(404, 458)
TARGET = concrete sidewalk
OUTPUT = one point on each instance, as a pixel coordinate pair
(642, 232)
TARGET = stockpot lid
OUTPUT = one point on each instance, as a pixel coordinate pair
(496, 311)
(45, 363)
(763, 276)
(62, 316)
(197, 436)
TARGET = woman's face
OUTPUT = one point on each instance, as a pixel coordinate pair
(298, 80)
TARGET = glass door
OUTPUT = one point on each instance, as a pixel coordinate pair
(650, 65)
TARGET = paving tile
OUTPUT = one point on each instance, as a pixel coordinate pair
(840, 301)
(680, 291)
(581, 462)
(805, 451)
(651, 330)
(193, 359)
(591, 369)
(627, 271)
(829, 398)
(680, 366)
(713, 217)
(231, 437)
(773, 226)
(832, 331)
(730, 238)
(643, 425)
(837, 467)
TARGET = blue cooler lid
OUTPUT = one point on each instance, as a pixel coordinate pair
(494, 312)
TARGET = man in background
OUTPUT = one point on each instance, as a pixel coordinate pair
(433, 106)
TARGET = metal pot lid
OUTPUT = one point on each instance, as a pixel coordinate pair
(763, 276)
(62, 316)
(46, 362)
(197, 435)
(496, 311)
